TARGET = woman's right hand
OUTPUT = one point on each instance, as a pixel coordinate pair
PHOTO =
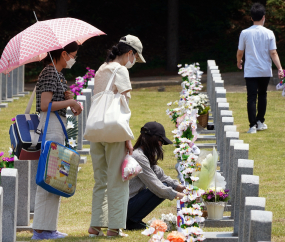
(180, 195)
(129, 147)
(76, 107)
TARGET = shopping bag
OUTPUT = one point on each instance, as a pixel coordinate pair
(108, 119)
(58, 165)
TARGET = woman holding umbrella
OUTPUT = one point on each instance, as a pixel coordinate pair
(56, 36)
(51, 87)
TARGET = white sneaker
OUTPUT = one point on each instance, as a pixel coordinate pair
(261, 126)
(252, 130)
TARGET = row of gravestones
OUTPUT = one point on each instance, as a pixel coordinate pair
(12, 86)
(18, 186)
(248, 216)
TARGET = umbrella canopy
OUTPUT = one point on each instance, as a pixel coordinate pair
(33, 43)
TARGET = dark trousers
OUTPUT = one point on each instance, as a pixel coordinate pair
(142, 204)
(256, 86)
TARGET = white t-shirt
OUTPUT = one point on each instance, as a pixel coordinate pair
(121, 81)
(257, 41)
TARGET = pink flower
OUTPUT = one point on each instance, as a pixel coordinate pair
(13, 119)
(11, 159)
(1, 153)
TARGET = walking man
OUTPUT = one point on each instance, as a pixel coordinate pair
(259, 45)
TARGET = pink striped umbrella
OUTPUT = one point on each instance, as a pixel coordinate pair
(33, 43)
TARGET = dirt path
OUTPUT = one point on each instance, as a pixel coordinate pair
(233, 82)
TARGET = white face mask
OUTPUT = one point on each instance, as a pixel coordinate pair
(70, 62)
(130, 64)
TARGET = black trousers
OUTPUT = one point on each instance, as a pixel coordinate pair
(256, 86)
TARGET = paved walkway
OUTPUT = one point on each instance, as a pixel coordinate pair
(233, 82)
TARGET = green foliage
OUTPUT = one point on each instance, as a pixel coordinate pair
(203, 111)
(188, 134)
(174, 117)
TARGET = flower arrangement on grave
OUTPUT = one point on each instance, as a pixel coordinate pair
(211, 195)
(88, 76)
(81, 83)
(200, 103)
(157, 229)
(208, 177)
(191, 79)
(281, 84)
(170, 220)
(72, 131)
(176, 237)
(7, 162)
(215, 201)
(76, 88)
(184, 116)
(2, 165)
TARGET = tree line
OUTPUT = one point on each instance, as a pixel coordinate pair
(172, 31)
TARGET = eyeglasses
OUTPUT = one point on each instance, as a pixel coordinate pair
(74, 57)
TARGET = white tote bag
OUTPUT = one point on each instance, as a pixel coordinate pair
(109, 115)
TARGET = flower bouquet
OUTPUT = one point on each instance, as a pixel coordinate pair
(7, 162)
(215, 201)
(220, 195)
(157, 228)
(176, 237)
(281, 85)
(170, 220)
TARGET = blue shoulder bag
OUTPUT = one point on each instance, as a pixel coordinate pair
(58, 164)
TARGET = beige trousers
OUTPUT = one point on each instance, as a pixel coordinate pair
(110, 193)
(47, 204)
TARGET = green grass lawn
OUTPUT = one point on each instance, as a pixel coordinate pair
(266, 149)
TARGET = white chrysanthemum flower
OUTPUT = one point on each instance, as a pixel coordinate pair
(199, 219)
(72, 142)
(196, 206)
(69, 125)
(148, 231)
(193, 178)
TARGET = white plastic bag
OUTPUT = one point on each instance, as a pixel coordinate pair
(130, 168)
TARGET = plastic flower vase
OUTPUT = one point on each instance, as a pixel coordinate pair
(215, 210)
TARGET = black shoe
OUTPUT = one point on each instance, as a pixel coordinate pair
(135, 225)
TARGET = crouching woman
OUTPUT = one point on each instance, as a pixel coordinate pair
(152, 186)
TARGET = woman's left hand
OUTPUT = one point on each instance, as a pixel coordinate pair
(68, 95)
(180, 188)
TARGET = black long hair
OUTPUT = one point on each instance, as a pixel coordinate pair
(118, 50)
(150, 146)
(55, 54)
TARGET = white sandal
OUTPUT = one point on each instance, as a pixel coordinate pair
(100, 233)
(119, 232)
